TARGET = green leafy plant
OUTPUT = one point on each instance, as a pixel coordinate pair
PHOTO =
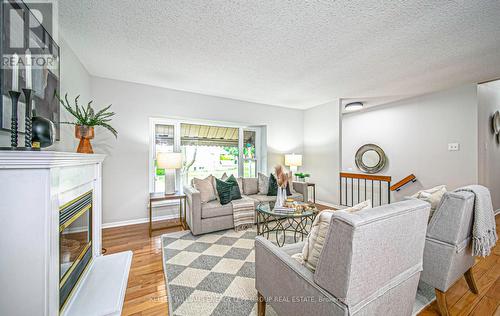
(302, 175)
(87, 116)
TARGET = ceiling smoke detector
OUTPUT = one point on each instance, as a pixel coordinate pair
(353, 106)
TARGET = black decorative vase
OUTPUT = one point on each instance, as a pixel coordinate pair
(43, 131)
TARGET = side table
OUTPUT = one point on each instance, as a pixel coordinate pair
(157, 197)
(313, 185)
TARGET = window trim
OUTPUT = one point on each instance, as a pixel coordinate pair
(176, 122)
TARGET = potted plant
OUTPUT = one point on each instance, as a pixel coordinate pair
(302, 176)
(86, 119)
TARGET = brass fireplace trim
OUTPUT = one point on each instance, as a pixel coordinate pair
(73, 266)
(74, 218)
(74, 200)
(84, 271)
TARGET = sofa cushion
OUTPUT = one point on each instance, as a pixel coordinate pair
(236, 189)
(228, 190)
(206, 188)
(263, 183)
(250, 186)
(432, 196)
(215, 209)
(316, 238)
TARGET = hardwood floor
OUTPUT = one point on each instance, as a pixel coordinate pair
(461, 301)
(146, 294)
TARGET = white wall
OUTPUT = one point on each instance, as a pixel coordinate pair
(489, 144)
(322, 150)
(415, 133)
(125, 170)
(75, 80)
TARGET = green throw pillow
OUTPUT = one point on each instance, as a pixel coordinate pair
(273, 186)
(235, 190)
(228, 190)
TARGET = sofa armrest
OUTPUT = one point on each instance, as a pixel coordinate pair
(279, 275)
(193, 212)
(301, 187)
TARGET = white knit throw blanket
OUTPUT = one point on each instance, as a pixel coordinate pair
(243, 214)
(484, 233)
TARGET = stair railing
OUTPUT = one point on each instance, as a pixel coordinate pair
(405, 181)
(357, 187)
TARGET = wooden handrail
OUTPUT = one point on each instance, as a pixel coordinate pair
(397, 186)
(365, 176)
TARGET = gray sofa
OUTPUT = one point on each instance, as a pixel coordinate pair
(211, 216)
(370, 265)
(448, 253)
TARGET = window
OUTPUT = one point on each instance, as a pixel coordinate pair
(249, 158)
(163, 142)
(208, 149)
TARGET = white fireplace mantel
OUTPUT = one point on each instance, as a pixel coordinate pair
(34, 184)
(45, 159)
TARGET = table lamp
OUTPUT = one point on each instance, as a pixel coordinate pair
(169, 161)
(293, 161)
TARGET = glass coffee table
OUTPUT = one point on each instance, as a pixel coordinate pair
(278, 224)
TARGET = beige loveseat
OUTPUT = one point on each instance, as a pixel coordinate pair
(212, 216)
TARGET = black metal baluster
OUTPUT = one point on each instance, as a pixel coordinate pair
(346, 202)
(340, 178)
(365, 189)
(380, 192)
(388, 193)
(372, 192)
(358, 190)
(352, 191)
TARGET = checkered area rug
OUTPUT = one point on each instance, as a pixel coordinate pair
(214, 274)
(211, 274)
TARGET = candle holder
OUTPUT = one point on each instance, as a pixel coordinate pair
(27, 118)
(14, 133)
(14, 97)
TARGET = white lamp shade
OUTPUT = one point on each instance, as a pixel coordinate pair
(293, 160)
(169, 160)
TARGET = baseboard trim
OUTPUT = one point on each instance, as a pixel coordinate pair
(497, 212)
(139, 221)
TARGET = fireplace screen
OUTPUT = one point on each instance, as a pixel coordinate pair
(75, 243)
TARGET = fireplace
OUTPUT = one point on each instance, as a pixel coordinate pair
(75, 243)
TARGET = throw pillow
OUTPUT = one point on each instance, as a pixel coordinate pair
(224, 191)
(316, 238)
(272, 189)
(235, 189)
(239, 180)
(224, 178)
(263, 183)
(432, 196)
(206, 189)
(250, 186)
(228, 190)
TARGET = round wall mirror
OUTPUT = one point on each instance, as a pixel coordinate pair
(496, 122)
(370, 158)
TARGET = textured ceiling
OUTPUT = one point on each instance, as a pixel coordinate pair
(289, 53)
